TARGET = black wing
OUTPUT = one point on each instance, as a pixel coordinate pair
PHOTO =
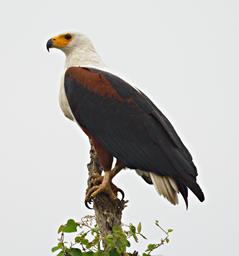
(131, 127)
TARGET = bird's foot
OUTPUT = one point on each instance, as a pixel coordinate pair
(102, 184)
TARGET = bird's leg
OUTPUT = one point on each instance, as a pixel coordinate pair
(103, 184)
(118, 167)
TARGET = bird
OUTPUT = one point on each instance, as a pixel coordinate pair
(121, 123)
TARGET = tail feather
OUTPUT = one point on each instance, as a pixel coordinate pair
(184, 192)
(170, 187)
(145, 176)
(165, 187)
(195, 188)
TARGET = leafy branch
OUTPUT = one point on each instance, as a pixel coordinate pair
(165, 240)
(88, 242)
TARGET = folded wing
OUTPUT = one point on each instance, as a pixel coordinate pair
(130, 126)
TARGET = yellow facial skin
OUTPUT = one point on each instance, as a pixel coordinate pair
(61, 41)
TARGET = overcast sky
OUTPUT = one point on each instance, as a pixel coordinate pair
(183, 54)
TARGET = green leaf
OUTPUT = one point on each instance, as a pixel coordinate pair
(135, 238)
(58, 247)
(69, 227)
(74, 252)
(61, 245)
(60, 229)
(95, 241)
(109, 240)
(80, 238)
(128, 243)
(90, 253)
(151, 247)
(99, 253)
(139, 227)
(61, 253)
(85, 242)
(132, 228)
(55, 248)
(95, 230)
(114, 253)
(170, 230)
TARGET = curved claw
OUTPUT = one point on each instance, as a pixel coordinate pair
(88, 203)
(122, 194)
(116, 190)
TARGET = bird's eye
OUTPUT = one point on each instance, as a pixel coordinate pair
(68, 36)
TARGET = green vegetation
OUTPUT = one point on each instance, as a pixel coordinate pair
(85, 240)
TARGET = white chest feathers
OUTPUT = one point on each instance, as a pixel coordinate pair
(65, 107)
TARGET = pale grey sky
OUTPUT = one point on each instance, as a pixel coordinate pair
(183, 54)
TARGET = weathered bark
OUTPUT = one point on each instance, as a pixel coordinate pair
(108, 213)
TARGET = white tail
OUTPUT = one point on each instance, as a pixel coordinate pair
(166, 187)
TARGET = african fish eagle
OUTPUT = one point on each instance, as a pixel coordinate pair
(122, 123)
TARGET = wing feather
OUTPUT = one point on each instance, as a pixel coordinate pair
(129, 126)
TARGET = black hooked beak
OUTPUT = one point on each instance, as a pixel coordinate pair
(49, 44)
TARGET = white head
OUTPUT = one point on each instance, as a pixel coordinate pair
(78, 49)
